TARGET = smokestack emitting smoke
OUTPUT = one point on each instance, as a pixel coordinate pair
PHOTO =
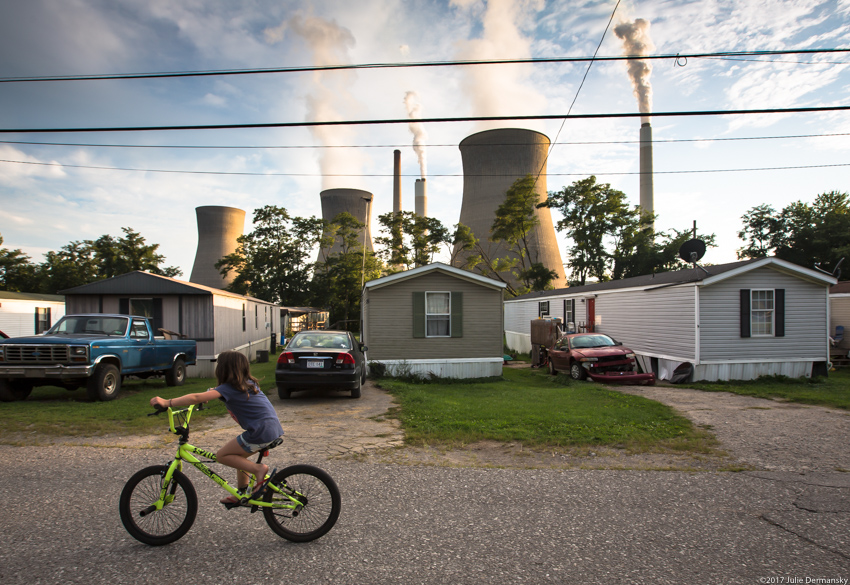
(414, 110)
(636, 42)
(421, 203)
(396, 181)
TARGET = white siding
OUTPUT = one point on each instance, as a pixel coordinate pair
(229, 333)
(805, 320)
(17, 317)
(654, 322)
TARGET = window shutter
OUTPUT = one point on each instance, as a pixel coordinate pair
(745, 312)
(123, 306)
(157, 315)
(779, 315)
(457, 314)
(419, 314)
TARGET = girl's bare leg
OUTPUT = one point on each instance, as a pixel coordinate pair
(233, 455)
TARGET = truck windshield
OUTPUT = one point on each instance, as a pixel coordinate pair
(95, 325)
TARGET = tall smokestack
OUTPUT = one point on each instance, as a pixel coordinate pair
(647, 205)
(492, 161)
(421, 203)
(396, 181)
(218, 228)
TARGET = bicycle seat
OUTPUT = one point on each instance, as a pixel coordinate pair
(272, 445)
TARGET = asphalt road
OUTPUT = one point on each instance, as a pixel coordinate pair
(420, 524)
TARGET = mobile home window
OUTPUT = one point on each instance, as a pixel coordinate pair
(438, 314)
(142, 308)
(543, 309)
(761, 312)
(42, 319)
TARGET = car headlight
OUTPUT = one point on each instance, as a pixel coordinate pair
(78, 350)
(630, 355)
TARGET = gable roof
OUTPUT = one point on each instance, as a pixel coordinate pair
(19, 296)
(694, 276)
(435, 267)
(139, 282)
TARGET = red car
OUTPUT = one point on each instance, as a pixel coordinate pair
(595, 355)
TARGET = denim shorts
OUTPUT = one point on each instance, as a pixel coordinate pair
(254, 447)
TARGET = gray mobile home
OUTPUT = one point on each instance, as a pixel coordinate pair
(735, 321)
(435, 319)
(217, 319)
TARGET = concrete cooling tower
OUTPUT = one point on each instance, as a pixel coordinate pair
(218, 228)
(492, 161)
(354, 201)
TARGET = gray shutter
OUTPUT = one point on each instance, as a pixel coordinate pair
(123, 306)
(745, 312)
(419, 314)
(457, 314)
(779, 315)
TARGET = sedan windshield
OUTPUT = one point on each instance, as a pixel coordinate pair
(588, 341)
(89, 324)
(318, 339)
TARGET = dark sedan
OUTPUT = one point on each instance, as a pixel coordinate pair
(321, 359)
(581, 354)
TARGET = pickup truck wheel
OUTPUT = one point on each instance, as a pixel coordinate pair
(104, 384)
(177, 374)
(11, 391)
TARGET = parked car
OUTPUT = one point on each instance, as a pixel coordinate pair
(96, 351)
(321, 359)
(595, 355)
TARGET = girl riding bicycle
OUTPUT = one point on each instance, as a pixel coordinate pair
(249, 407)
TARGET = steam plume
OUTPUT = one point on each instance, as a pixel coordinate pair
(636, 42)
(328, 98)
(420, 136)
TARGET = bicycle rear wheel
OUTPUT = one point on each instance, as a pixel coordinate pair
(147, 524)
(314, 499)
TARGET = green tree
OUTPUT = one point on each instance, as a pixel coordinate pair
(116, 256)
(593, 215)
(410, 240)
(17, 273)
(75, 264)
(759, 232)
(272, 262)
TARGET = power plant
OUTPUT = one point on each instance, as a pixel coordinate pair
(356, 202)
(218, 229)
(647, 204)
(492, 161)
(396, 181)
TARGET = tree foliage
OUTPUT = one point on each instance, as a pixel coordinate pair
(273, 262)
(816, 234)
(16, 271)
(409, 240)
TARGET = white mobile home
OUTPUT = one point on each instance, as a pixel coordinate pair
(29, 314)
(734, 321)
(217, 319)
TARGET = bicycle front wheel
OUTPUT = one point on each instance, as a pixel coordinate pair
(307, 503)
(141, 518)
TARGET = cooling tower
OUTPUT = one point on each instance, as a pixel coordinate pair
(421, 202)
(354, 201)
(218, 228)
(647, 204)
(492, 161)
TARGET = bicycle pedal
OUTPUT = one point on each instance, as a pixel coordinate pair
(231, 506)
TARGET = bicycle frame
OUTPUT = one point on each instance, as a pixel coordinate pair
(187, 452)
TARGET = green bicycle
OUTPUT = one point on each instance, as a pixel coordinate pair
(158, 504)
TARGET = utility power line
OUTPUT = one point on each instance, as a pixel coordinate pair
(341, 67)
(424, 120)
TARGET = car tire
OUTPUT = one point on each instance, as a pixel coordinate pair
(355, 393)
(552, 369)
(577, 372)
(283, 393)
(176, 375)
(104, 384)
(10, 390)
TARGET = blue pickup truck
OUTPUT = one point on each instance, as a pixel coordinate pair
(95, 351)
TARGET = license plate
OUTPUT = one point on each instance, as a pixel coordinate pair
(34, 373)
(315, 364)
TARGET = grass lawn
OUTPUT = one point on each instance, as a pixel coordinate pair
(536, 409)
(55, 411)
(833, 391)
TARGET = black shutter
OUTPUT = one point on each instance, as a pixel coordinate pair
(457, 314)
(157, 315)
(745, 312)
(418, 314)
(123, 306)
(779, 316)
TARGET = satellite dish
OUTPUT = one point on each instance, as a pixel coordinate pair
(692, 251)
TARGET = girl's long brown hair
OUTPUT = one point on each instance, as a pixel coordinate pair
(233, 368)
